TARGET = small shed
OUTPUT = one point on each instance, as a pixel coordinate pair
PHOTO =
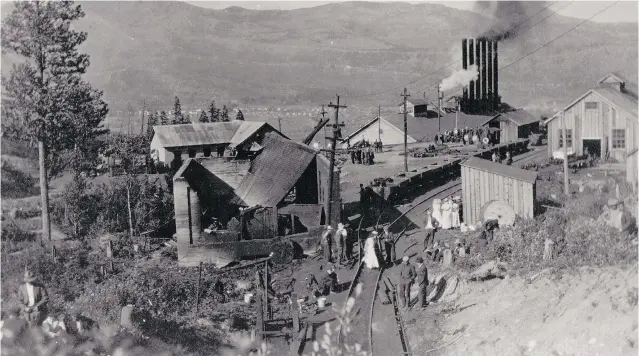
(484, 182)
(513, 125)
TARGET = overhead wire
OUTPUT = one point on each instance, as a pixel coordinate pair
(456, 61)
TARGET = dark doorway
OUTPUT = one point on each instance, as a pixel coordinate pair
(593, 147)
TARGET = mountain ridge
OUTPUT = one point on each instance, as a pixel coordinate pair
(153, 51)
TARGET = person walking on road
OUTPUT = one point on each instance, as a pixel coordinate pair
(340, 243)
(407, 277)
(422, 282)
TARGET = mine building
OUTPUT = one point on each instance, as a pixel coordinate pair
(418, 108)
(513, 125)
(230, 208)
(378, 129)
(602, 122)
(173, 143)
(481, 96)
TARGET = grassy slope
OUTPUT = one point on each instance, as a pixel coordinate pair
(155, 50)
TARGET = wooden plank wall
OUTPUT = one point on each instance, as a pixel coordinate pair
(480, 187)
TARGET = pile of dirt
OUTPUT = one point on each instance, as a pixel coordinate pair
(584, 312)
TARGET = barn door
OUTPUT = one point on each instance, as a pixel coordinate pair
(261, 226)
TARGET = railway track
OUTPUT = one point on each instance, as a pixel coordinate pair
(363, 310)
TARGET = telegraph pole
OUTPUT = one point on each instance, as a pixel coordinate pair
(405, 95)
(143, 113)
(324, 113)
(331, 176)
(563, 127)
(439, 110)
(279, 123)
(379, 123)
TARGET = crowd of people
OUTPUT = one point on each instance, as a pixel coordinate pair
(467, 136)
(364, 152)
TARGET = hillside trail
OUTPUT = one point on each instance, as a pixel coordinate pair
(586, 311)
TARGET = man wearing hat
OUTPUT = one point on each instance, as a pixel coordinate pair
(429, 229)
(389, 246)
(340, 242)
(407, 277)
(326, 242)
(422, 281)
(33, 299)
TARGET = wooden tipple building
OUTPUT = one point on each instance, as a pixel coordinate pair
(603, 122)
(228, 208)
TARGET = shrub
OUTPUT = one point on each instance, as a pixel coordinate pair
(17, 184)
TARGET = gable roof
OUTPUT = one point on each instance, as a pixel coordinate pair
(417, 101)
(424, 129)
(626, 101)
(368, 124)
(196, 134)
(274, 172)
(519, 117)
(501, 169)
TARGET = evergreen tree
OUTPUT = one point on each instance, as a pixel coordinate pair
(151, 121)
(178, 116)
(239, 115)
(203, 117)
(225, 114)
(45, 99)
(164, 118)
(214, 113)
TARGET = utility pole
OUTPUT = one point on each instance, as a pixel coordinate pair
(563, 129)
(143, 113)
(279, 123)
(405, 95)
(439, 110)
(324, 113)
(336, 126)
(379, 123)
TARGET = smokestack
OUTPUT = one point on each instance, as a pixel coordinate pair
(471, 87)
(465, 66)
(484, 79)
(491, 77)
(478, 60)
(496, 99)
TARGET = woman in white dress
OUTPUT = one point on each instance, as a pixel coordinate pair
(370, 255)
(447, 214)
(455, 209)
(437, 210)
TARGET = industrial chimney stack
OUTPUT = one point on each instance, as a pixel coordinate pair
(482, 95)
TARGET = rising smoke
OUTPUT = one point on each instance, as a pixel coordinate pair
(509, 17)
(461, 77)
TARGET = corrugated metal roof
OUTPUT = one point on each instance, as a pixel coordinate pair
(501, 169)
(197, 134)
(520, 117)
(274, 172)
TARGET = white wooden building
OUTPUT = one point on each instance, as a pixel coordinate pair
(378, 129)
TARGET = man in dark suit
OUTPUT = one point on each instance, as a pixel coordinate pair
(33, 299)
(407, 277)
(422, 281)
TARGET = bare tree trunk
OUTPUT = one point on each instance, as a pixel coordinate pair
(128, 204)
(44, 193)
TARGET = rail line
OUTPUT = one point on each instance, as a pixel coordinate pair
(370, 280)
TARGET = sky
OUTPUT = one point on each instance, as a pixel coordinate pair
(623, 11)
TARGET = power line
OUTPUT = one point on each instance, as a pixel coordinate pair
(457, 61)
(563, 34)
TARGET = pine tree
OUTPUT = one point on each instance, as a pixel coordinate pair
(225, 114)
(239, 115)
(203, 117)
(214, 113)
(164, 118)
(178, 116)
(45, 99)
(151, 121)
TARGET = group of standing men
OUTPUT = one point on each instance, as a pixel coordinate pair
(366, 153)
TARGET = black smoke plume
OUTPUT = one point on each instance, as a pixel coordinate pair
(509, 17)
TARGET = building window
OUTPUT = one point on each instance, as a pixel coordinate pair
(568, 138)
(207, 151)
(192, 153)
(618, 138)
(591, 105)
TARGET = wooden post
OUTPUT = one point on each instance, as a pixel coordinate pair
(199, 280)
(405, 95)
(563, 124)
(54, 253)
(267, 310)
(296, 313)
(259, 323)
(109, 251)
